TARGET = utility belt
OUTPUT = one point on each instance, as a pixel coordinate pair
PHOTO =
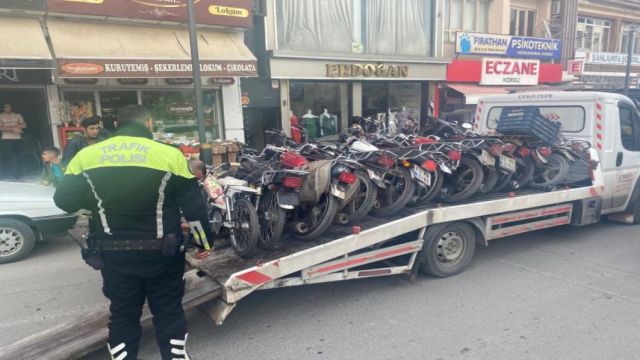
(170, 245)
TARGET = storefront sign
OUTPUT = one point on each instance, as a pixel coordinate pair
(180, 108)
(367, 70)
(179, 81)
(468, 43)
(575, 67)
(235, 13)
(222, 81)
(81, 81)
(607, 80)
(604, 58)
(134, 81)
(107, 68)
(24, 77)
(33, 5)
(496, 71)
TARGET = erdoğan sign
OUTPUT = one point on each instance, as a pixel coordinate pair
(497, 71)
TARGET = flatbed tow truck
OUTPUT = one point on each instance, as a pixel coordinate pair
(439, 240)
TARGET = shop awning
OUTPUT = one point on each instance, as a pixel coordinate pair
(23, 45)
(124, 51)
(473, 92)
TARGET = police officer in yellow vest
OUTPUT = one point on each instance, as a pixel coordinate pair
(137, 189)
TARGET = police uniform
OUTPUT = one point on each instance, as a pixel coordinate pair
(136, 188)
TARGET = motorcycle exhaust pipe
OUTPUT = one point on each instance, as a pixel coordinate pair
(301, 227)
(342, 218)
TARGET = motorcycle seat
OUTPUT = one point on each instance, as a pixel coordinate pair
(230, 181)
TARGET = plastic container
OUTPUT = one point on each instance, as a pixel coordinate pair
(527, 120)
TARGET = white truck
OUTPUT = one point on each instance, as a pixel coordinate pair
(439, 240)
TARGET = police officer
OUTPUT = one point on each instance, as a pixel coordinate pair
(136, 188)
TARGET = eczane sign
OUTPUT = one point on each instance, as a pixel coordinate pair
(496, 71)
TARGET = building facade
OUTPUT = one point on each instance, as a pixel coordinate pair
(68, 60)
(603, 30)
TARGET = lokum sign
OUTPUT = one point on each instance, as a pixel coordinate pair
(235, 13)
(468, 43)
(112, 68)
(497, 71)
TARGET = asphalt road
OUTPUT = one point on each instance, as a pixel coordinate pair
(566, 293)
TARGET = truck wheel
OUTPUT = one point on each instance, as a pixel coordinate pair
(16, 240)
(448, 249)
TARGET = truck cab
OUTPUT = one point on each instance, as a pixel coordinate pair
(609, 122)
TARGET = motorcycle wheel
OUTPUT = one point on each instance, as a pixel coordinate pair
(550, 174)
(465, 181)
(504, 181)
(315, 219)
(424, 195)
(246, 228)
(396, 195)
(491, 177)
(525, 168)
(272, 220)
(363, 201)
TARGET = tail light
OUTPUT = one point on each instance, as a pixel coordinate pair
(454, 155)
(347, 177)
(430, 165)
(386, 161)
(509, 147)
(545, 151)
(292, 160)
(405, 163)
(524, 152)
(424, 140)
(292, 182)
(495, 149)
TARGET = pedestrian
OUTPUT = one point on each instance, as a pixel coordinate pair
(92, 133)
(11, 126)
(137, 189)
(52, 171)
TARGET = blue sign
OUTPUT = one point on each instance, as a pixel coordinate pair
(507, 45)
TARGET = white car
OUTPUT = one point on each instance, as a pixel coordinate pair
(28, 215)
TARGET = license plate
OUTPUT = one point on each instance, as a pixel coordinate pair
(421, 175)
(288, 198)
(335, 191)
(487, 159)
(507, 163)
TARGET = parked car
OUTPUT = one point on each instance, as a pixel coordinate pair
(28, 215)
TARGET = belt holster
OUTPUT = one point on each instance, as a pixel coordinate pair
(172, 245)
(91, 254)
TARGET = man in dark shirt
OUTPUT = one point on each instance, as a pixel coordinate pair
(93, 133)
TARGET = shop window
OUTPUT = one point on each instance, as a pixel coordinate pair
(592, 34)
(522, 22)
(78, 106)
(319, 106)
(382, 27)
(465, 15)
(624, 40)
(111, 101)
(173, 113)
(394, 97)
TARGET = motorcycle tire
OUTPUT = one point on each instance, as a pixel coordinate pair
(272, 220)
(525, 167)
(384, 195)
(244, 237)
(491, 177)
(364, 201)
(504, 182)
(468, 166)
(322, 224)
(553, 173)
(424, 195)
